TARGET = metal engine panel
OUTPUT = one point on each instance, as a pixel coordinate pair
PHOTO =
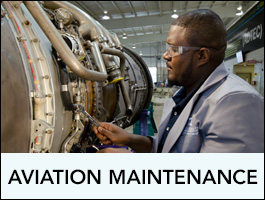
(56, 59)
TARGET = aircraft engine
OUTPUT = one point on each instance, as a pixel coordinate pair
(58, 64)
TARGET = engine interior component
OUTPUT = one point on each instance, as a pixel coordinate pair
(61, 72)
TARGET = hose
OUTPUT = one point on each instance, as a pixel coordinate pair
(63, 76)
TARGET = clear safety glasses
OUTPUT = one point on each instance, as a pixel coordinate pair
(178, 50)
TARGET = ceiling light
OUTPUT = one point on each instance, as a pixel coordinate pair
(134, 47)
(124, 36)
(239, 7)
(140, 53)
(174, 15)
(105, 17)
(239, 13)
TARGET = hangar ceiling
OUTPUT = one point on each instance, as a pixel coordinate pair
(148, 22)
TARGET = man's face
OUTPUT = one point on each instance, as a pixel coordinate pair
(180, 67)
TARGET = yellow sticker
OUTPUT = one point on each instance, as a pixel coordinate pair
(116, 80)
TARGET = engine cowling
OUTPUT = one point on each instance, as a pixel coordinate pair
(54, 59)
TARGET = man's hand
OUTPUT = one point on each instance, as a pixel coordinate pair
(109, 133)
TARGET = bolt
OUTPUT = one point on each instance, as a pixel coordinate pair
(27, 22)
(46, 77)
(35, 40)
(49, 114)
(16, 5)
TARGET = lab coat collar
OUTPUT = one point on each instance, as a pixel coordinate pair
(215, 77)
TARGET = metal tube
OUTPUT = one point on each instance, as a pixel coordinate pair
(98, 58)
(60, 45)
(129, 109)
(64, 150)
(118, 53)
(88, 25)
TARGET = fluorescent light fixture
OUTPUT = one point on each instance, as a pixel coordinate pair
(174, 15)
(140, 53)
(239, 13)
(134, 47)
(124, 36)
(105, 17)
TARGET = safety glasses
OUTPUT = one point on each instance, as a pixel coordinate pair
(178, 50)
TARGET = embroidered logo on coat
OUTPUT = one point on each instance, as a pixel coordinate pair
(190, 129)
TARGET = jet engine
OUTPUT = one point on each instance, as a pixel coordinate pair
(61, 70)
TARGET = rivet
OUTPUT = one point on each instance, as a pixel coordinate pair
(46, 77)
(49, 114)
(27, 22)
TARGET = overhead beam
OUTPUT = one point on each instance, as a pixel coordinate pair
(160, 8)
(161, 29)
(84, 8)
(117, 8)
(100, 6)
(212, 5)
(174, 6)
(132, 8)
(146, 8)
(133, 31)
(199, 5)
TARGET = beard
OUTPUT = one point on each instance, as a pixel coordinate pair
(180, 81)
(171, 83)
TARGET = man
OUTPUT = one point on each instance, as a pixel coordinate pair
(213, 111)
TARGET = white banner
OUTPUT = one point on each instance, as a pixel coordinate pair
(132, 176)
